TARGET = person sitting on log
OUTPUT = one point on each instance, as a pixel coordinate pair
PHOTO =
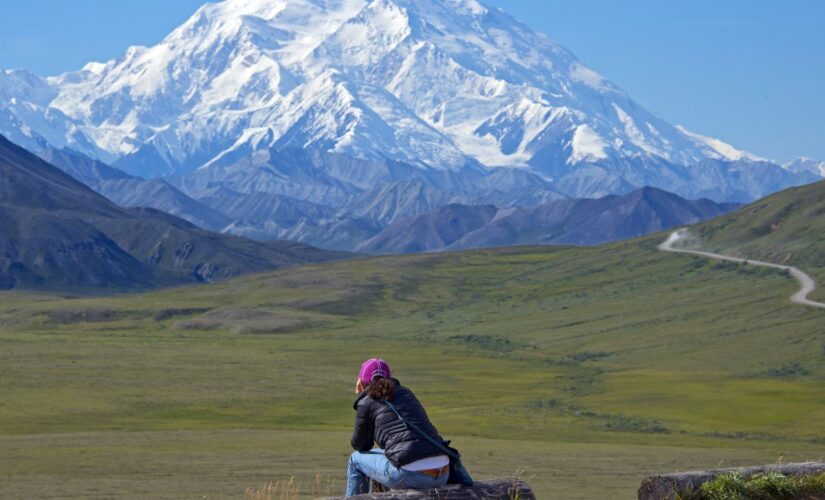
(404, 459)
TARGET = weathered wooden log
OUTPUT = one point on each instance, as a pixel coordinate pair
(498, 489)
(683, 484)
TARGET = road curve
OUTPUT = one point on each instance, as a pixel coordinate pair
(806, 282)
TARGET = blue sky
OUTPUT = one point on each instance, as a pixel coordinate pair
(751, 72)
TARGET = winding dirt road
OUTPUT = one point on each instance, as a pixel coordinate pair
(806, 282)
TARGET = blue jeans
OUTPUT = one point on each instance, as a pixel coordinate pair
(364, 466)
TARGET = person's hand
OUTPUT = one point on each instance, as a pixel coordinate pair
(359, 387)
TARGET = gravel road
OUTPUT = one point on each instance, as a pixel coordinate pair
(806, 282)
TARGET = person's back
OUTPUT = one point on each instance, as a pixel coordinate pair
(405, 459)
(401, 444)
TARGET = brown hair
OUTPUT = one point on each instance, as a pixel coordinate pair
(381, 388)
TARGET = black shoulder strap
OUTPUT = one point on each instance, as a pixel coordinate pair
(423, 434)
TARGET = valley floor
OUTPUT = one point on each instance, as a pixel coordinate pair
(586, 369)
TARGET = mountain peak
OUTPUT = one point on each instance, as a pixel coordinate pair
(436, 83)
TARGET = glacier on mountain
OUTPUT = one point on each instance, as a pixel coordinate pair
(435, 83)
(326, 121)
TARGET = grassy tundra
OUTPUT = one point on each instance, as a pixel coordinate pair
(580, 369)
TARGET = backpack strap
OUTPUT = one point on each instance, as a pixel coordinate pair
(450, 453)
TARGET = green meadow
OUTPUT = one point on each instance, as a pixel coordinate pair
(579, 369)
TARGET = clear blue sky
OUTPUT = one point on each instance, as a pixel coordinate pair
(751, 72)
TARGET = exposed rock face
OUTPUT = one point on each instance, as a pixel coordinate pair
(677, 485)
(497, 489)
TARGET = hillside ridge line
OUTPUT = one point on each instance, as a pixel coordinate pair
(807, 284)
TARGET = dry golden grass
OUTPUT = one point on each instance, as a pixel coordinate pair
(294, 489)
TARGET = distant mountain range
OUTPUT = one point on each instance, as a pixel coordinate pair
(130, 191)
(809, 165)
(377, 126)
(562, 222)
(373, 109)
(394, 217)
(56, 233)
(340, 201)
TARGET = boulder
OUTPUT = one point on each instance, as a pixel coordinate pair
(681, 484)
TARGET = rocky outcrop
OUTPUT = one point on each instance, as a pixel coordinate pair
(497, 489)
(684, 484)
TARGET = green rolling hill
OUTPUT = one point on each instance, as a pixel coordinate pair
(785, 228)
(582, 369)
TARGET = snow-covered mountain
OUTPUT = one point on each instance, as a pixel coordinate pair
(810, 165)
(437, 84)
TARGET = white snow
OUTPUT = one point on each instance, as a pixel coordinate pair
(583, 74)
(805, 164)
(94, 67)
(587, 145)
(650, 142)
(429, 82)
(723, 149)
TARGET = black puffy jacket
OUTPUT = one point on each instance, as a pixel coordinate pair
(376, 423)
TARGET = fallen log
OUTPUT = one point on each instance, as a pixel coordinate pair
(497, 489)
(684, 484)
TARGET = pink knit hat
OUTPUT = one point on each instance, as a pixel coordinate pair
(374, 368)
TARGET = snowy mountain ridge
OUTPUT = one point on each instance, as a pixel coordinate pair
(435, 83)
(804, 164)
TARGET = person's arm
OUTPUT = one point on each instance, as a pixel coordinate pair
(363, 437)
